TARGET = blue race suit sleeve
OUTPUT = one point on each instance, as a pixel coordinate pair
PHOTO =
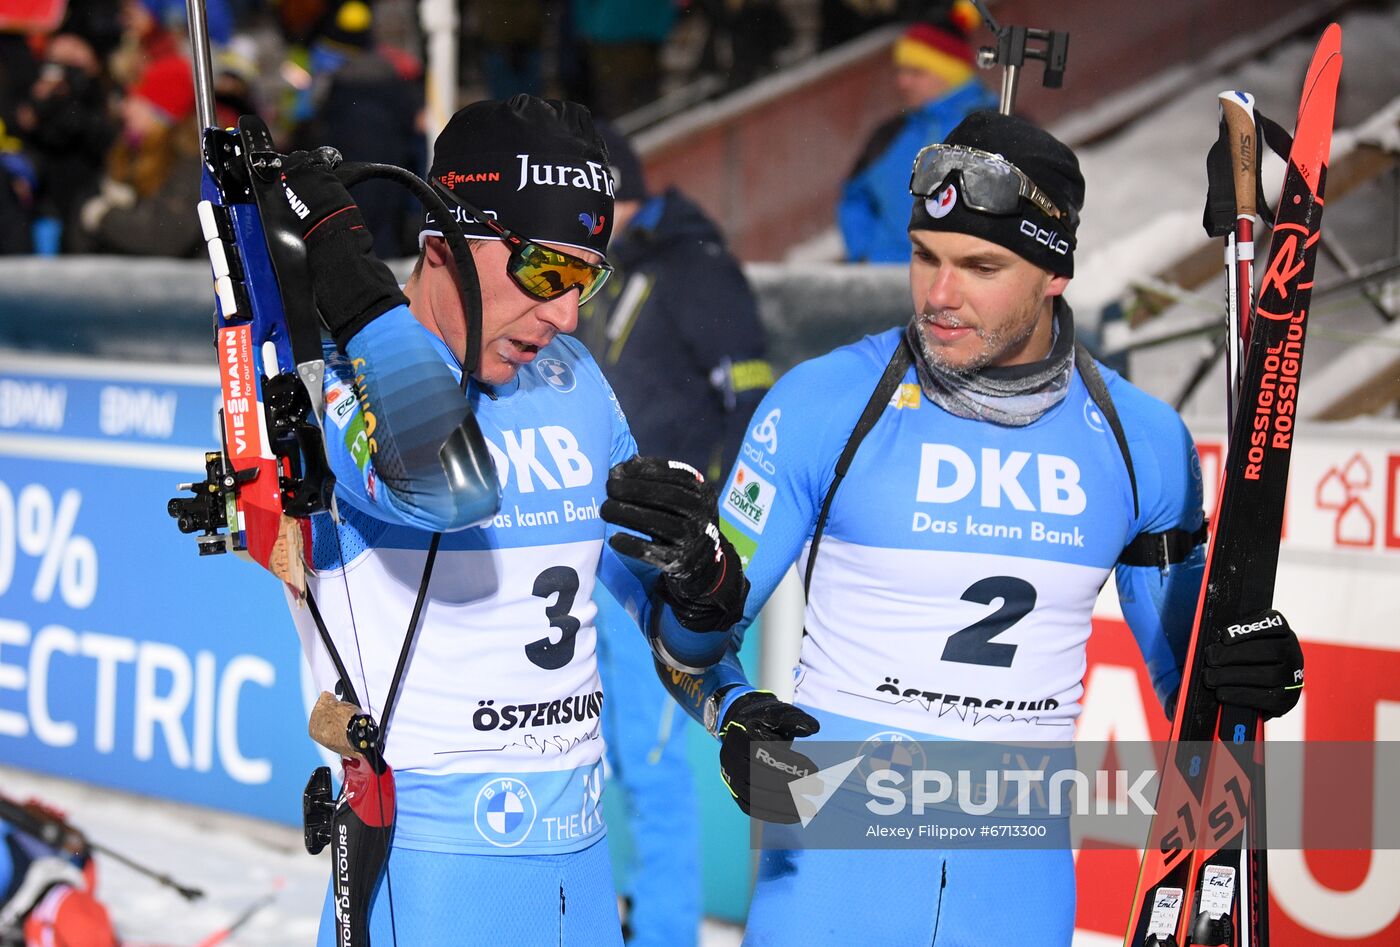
(1160, 606)
(392, 401)
(633, 583)
(791, 444)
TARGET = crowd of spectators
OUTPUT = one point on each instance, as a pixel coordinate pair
(99, 143)
(98, 137)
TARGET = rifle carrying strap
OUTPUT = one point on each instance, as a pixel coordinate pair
(1098, 391)
(899, 363)
(1158, 549)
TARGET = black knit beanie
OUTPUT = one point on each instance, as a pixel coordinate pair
(1046, 241)
(537, 166)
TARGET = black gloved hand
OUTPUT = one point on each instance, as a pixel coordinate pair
(353, 287)
(756, 757)
(1258, 665)
(672, 504)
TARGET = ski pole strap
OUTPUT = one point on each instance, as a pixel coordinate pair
(1163, 549)
(899, 363)
(1219, 216)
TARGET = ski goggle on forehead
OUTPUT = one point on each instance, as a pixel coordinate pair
(542, 271)
(988, 182)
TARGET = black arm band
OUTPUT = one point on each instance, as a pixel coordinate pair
(1163, 549)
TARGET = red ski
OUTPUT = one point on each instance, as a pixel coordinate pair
(1204, 875)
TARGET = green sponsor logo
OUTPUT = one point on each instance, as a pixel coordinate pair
(745, 503)
(742, 544)
(357, 441)
(749, 498)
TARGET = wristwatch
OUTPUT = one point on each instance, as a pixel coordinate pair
(712, 706)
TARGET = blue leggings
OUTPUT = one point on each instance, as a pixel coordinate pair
(646, 734)
(913, 898)
(521, 900)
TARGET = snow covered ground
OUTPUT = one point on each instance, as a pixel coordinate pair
(235, 861)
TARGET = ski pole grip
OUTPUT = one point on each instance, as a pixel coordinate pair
(1238, 110)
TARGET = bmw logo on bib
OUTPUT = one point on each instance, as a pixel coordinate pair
(556, 374)
(894, 751)
(505, 812)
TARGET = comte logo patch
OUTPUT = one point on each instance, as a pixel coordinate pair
(750, 497)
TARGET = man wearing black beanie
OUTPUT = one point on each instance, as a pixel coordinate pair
(495, 737)
(956, 492)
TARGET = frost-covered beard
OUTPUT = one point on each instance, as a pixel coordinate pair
(1014, 395)
(995, 342)
(1009, 336)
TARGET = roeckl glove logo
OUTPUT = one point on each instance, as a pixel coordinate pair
(1273, 621)
(772, 762)
(712, 531)
(682, 465)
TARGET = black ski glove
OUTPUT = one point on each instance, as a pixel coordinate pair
(352, 286)
(672, 504)
(756, 757)
(1258, 664)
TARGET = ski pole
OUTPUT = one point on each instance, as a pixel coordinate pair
(219, 936)
(185, 891)
(1237, 108)
(55, 831)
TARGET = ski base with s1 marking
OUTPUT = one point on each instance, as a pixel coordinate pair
(1204, 871)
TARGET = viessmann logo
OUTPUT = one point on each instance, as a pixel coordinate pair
(750, 497)
(240, 396)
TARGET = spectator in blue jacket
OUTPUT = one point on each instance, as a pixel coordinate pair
(934, 74)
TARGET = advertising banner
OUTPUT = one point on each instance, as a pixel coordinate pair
(1339, 585)
(125, 658)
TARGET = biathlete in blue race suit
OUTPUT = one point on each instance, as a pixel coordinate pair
(494, 738)
(48, 884)
(953, 591)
